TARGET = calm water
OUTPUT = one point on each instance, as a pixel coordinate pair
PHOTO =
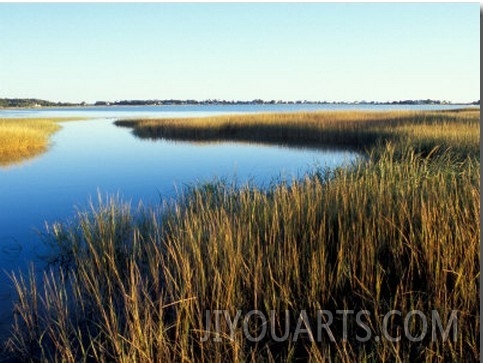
(94, 156)
(204, 110)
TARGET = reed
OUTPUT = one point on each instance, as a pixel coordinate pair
(22, 139)
(347, 129)
(397, 232)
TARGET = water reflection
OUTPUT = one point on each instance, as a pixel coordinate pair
(88, 156)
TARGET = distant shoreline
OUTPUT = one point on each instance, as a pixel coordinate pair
(28, 103)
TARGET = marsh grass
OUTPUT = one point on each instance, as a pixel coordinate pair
(398, 232)
(342, 129)
(24, 138)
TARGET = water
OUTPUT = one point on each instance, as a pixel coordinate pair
(94, 156)
(205, 110)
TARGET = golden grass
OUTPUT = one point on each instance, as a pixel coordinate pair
(397, 232)
(349, 129)
(21, 139)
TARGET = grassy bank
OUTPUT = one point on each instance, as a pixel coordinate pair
(423, 130)
(22, 139)
(399, 232)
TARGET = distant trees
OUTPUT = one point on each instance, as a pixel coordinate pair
(32, 102)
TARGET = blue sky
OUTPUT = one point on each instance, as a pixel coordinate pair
(311, 51)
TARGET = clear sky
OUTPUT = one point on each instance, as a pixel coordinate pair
(240, 51)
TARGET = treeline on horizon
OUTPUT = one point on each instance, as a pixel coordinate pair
(34, 102)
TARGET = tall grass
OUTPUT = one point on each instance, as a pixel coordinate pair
(348, 129)
(25, 138)
(399, 232)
